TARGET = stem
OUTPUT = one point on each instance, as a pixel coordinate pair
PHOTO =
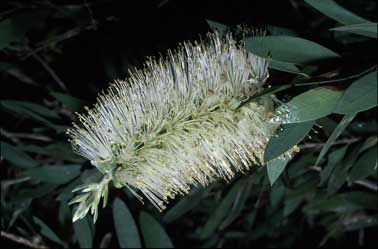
(287, 86)
(21, 240)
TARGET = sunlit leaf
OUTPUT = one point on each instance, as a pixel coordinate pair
(290, 135)
(275, 168)
(288, 49)
(310, 105)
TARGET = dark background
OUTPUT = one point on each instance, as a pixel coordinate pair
(101, 40)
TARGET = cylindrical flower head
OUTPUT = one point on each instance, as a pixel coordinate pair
(177, 123)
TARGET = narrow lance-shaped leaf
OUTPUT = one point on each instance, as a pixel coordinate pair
(365, 166)
(216, 26)
(310, 105)
(239, 202)
(72, 103)
(336, 133)
(288, 49)
(154, 235)
(48, 232)
(368, 29)
(58, 174)
(361, 95)
(290, 135)
(222, 210)
(286, 67)
(186, 204)
(24, 107)
(84, 232)
(126, 229)
(275, 168)
(333, 10)
(333, 159)
(16, 157)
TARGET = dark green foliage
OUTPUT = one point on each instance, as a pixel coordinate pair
(56, 57)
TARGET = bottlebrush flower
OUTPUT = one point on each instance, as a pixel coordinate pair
(179, 122)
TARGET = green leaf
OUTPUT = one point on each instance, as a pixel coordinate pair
(186, 204)
(239, 202)
(368, 29)
(126, 229)
(154, 235)
(8, 34)
(16, 156)
(336, 133)
(369, 142)
(33, 193)
(288, 49)
(363, 199)
(290, 135)
(276, 30)
(222, 210)
(55, 150)
(310, 105)
(336, 203)
(28, 108)
(47, 232)
(84, 232)
(275, 168)
(277, 195)
(337, 179)
(216, 26)
(361, 95)
(58, 174)
(286, 67)
(32, 111)
(365, 166)
(333, 160)
(72, 103)
(331, 9)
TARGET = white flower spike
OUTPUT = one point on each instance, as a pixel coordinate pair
(177, 123)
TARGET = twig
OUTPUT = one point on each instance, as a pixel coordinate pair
(6, 183)
(90, 14)
(105, 242)
(365, 183)
(271, 91)
(341, 141)
(59, 38)
(50, 71)
(15, 136)
(22, 241)
(368, 184)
